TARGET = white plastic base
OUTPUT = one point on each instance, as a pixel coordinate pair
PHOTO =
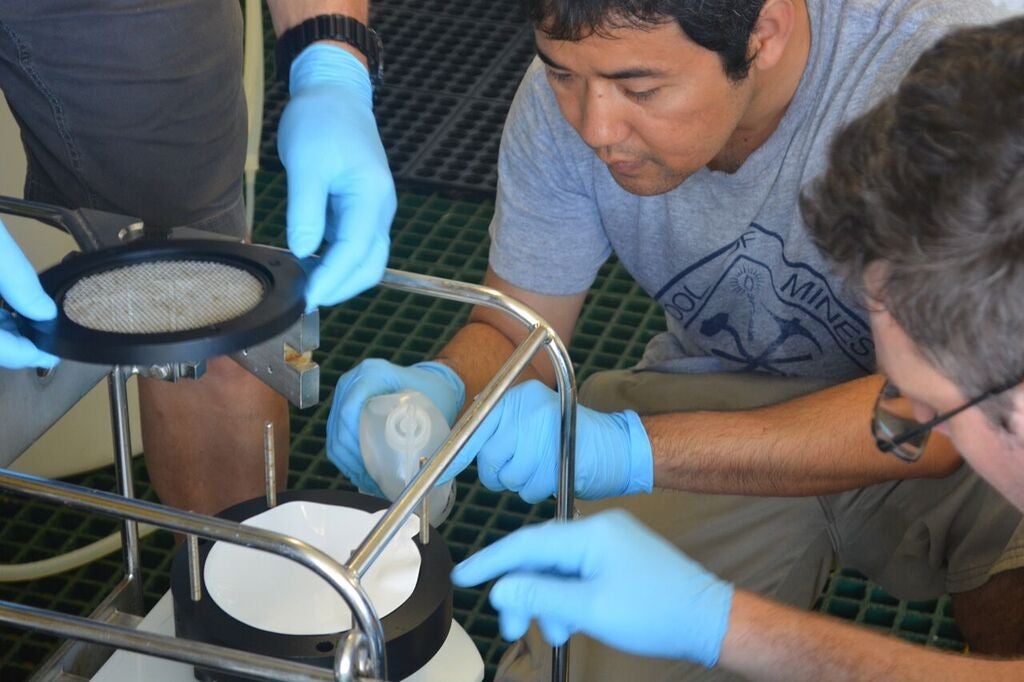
(456, 661)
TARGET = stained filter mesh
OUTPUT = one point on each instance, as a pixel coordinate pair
(162, 296)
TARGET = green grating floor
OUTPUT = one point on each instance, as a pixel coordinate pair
(438, 236)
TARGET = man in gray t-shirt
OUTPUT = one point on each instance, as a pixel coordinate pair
(680, 140)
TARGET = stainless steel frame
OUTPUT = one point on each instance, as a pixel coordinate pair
(110, 625)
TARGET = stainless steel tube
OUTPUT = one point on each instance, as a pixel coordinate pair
(195, 584)
(565, 498)
(196, 653)
(270, 464)
(564, 378)
(338, 576)
(123, 464)
(424, 481)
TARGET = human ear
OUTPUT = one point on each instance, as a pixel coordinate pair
(1016, 417)
(772, 33)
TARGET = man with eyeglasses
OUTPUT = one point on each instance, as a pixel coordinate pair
(923, 208)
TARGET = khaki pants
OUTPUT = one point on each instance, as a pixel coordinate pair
(916, 538)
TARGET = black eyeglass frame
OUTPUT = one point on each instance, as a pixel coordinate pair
(892, 445)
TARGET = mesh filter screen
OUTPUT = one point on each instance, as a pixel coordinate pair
(162, 296)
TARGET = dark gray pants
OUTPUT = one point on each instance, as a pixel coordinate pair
(131, 106)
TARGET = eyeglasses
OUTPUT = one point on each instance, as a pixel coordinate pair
(897, 432)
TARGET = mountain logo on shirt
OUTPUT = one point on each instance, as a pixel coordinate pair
(747, 304)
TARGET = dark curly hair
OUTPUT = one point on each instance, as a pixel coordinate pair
(722, 26)
(931, 183)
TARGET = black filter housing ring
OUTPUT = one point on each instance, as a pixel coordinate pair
(282, 276)
(413, 633)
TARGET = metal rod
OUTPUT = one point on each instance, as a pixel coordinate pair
(461, 291)
(424, 513)
(119, 420)
(564, 377)
(271, 466)
(338, 576)
(81, 656)
(195, 585)
(197, 653)
(352, 658)
(373, 544)
(565, 497)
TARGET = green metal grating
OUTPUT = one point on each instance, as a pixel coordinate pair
(438, 236)
(851, 596)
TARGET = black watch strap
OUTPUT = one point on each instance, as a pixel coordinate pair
(338, 27)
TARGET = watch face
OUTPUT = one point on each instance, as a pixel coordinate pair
(376, 57)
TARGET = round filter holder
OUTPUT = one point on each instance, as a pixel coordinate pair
(169, 301)
(416, 621)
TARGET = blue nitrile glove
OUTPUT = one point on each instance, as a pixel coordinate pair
(375, 377)
(20, 287)
(610, 577)
(518, 447)
(339, 185)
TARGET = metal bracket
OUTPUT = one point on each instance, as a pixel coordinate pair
(173, 372)
(285, 362)
(93, 230)
(76, 659)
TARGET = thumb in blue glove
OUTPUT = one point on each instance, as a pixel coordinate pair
(339, 185)
(375, 377)
(20, 287)
(517, 447)
(607, 576)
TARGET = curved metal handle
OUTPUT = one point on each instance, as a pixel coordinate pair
(338, 576)
(541, 335)
(91, 229)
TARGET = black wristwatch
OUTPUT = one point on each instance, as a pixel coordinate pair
(331, 27)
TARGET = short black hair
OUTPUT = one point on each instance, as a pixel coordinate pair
(722, 26)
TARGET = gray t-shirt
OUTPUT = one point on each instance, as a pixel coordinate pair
(725, 255)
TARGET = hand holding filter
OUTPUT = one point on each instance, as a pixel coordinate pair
(20, 287)
(339, 185)
(175, 300)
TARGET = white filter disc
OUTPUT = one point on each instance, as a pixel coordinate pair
(275, 594)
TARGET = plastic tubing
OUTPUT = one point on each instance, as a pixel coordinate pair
(76, 558)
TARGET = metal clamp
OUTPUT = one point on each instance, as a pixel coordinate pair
(285, 362)
(172, 372)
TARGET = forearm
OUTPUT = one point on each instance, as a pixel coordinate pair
(769, 641)
(476, 353)
(288, 13)
(818, 444)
